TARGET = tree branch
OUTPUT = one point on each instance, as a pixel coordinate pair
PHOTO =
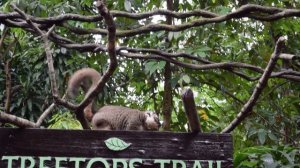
(4, 34)
(292, 57)
(44, 36)
(266, 14)
(46, 113)
(112, 65)
(8, 86)
(167, 94)
(52, 20)
(244, 11)
(51, 69)
(212, 65)
(41, 26)
(169, 13)
(258, 89)
(222, 65)
(20, 122)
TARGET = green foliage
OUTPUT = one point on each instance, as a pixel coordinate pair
(64, 120)
(266, 137)
(263, 156)
(152, 66)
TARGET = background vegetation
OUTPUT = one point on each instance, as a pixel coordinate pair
(269, 137)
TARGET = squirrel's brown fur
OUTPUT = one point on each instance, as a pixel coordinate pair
(109, 117)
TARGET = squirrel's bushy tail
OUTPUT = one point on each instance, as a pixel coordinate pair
(85, 78)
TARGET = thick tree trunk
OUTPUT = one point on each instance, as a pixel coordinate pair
(167, 99)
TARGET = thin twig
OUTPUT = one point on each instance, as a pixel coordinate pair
(44, 36)
(51, 69)
(4, 34)
(46, 113)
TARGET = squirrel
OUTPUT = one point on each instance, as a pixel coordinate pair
(109, 117)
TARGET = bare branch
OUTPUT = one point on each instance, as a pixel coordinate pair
(46, 113)
(138, 16)
(283, 14)
(285, 56)
(8, 86)
(20, 122)
(112, 65)
(95, 48)
(111, 50)
(179, 15)
(291, 75)
(45, 36)
(258, 89)
(285, 73)
(34, 26)
(266, 14)
(25, 17)
(52, 20)
(21, 24)
(59, 39)
(91, 47)
(65, 103)
(244, 11)
(85, 47)
(54, 87)
(50, 31)
(4, 34)
(273, 12)
(194, 66)
(162, 53)
(276, 13)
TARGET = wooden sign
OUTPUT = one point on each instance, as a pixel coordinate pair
(44, 148)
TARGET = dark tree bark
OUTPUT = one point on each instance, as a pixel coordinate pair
(8, 86)
(167, 99)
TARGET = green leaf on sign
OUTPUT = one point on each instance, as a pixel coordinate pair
(116, 144)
